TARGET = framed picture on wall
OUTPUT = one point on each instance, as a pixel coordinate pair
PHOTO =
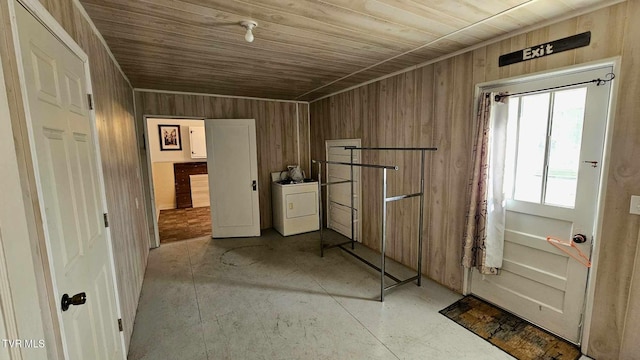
(170, 137)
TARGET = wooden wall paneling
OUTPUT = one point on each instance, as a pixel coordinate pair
(145, 172)
(620, 241)
(534, 38)
(493, 52)
(439, 185)
(425, 118)
(630, 345)
(406, 178)
(461, 95)
(607, 33)
(479, 66)
(304, 138)
(371, 178)
(386, 132)
(558, 31)
(517, 43)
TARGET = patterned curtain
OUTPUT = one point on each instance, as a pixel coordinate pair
(484, 230)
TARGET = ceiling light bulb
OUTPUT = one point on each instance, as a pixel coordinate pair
(249, 25)
(248, 36)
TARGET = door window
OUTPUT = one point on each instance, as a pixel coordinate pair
(548, 127)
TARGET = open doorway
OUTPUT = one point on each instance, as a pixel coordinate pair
(177, 160)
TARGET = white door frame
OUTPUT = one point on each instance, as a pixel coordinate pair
(145, 129)
(43, 16)
(10, 183)
(591, 277)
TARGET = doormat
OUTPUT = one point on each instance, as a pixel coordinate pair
(514, 335)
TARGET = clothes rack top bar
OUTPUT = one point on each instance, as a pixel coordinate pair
(389, 148)
(390, 167)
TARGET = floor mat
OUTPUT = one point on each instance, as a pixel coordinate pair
(514, 335)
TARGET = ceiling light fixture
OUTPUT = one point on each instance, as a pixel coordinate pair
(249, 25)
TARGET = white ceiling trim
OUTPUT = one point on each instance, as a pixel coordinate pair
(219, 95)
(567, 16)
(104, 43)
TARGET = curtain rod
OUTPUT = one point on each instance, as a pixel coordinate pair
(597, 81)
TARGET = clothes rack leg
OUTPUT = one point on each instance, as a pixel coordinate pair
(384, 233)
(421, 221)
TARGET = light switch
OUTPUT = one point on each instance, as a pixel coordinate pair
(290, 206)
(635, 205)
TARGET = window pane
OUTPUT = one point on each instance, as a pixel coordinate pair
(532, 138)
(564, 147)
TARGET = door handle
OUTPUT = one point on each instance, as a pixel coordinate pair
(77, 299)
(254, 184)
(579, 238)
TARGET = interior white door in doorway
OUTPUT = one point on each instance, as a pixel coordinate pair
(232, 161)
(69, 176)
(556, 140)
(339, 196)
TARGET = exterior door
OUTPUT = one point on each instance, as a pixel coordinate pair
(555, 145)
(339, 196)
(232, 160)
(71, 191)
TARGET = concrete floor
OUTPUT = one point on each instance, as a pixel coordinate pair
(275, 298)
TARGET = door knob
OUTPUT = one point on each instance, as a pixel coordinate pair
(579, 238)
(254, 184)
(77, 299)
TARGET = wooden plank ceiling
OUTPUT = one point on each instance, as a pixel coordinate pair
(303, 49)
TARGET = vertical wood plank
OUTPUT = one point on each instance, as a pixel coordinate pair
(607, 33)
(619, 244)
(304, 131)
(425, 116)
(459, 165)
(439, 186)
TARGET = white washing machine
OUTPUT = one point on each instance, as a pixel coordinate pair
(295, 207)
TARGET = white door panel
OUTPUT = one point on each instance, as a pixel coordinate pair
(554, 194)
(72, 193)
(232, 161)
(339, 196)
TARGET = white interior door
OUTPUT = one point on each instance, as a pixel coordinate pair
(232, 160)
(71, 191)
(554, 139)
(339, 196)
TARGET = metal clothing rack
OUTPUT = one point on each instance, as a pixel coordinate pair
(385, 200)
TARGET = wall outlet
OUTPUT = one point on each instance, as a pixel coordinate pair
(635, 205)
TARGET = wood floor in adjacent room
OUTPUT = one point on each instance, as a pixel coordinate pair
(184, 224)
(274, 297)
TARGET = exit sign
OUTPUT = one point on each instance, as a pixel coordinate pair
(546, 49)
